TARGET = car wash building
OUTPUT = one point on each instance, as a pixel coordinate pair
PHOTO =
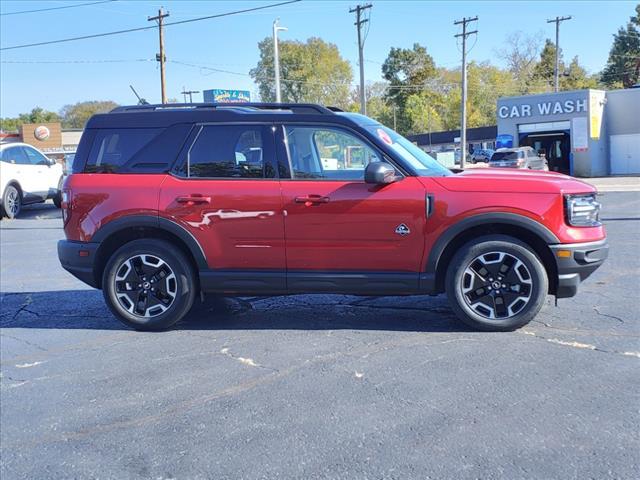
(585, 133)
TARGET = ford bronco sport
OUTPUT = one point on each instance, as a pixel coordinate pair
(164, 203)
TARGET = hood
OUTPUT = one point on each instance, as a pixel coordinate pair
(500, 180)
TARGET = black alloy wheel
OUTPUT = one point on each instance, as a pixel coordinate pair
(149, 284)
(496, 283)
(11, 202)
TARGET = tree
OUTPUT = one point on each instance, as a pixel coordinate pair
(407, 71)
(575, 77)
(520, 54)
(76, 115)
(544, 70)
(311, 71)
(37, 115)
(623, 66)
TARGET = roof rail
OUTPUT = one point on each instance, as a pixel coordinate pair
(293, 107)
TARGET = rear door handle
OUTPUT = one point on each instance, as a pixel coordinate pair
(309, 200)
(193, 199)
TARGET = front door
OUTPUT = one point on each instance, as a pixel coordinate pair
(339, 227)
(225, 194)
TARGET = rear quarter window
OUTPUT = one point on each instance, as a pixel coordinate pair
(113, 148)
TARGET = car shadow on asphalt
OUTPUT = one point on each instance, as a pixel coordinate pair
(85, 310)
(38, 211)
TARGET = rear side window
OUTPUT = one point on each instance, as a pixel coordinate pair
(228, 151)
(113, 148)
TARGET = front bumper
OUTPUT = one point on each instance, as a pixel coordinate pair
(581, 261)
(78, 258)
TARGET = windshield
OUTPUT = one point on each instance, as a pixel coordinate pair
(423, 164)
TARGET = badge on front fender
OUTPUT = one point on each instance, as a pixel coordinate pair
(403, 230)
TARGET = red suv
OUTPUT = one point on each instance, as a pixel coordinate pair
(164, 203)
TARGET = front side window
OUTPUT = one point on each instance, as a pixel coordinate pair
(326, 153)
(113, 148)
(227, 151)
(35, 157)
(15, 155)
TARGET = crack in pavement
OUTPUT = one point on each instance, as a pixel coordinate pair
(26, 342)
(595, 309)
(579, 345)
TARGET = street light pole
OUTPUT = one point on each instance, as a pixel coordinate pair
(276, 58)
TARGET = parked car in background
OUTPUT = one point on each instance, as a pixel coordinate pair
(483, 155)
(27, 176)
(519, 157)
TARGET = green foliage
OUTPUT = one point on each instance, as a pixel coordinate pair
(71, 116)
(543, 72)
(623, 66)
(311, 71)
(76, 115)
(37, 115)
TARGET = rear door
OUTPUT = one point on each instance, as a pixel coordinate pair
(336, 223)
(225, 193)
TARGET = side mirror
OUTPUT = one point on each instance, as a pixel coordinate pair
(379, 173)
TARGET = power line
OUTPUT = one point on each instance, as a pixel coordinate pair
(37, 62)
(56, 8)
(139, 29)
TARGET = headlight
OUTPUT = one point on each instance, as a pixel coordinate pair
(582, 210)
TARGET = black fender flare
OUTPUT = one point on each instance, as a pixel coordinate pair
(137, 221)
(485, 219)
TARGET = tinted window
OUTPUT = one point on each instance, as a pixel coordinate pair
(35, 157)
(505, 156)
(227, 151)
(112, 148)
(327, 153)
(15, 155)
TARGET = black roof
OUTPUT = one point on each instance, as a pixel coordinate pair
(473, 135)
(163, 115)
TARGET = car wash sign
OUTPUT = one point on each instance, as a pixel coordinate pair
(542, 108)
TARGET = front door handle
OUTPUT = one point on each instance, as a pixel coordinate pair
(193, 199)
(310, 200)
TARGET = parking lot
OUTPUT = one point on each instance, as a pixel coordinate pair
(320, 386)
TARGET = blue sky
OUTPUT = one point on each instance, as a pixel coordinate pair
(230, 43)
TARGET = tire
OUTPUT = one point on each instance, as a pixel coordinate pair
(479, 297)
(11, 202)
(57, 200)
(166, 271)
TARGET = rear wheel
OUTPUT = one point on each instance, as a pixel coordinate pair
(496, 283)
(11, 202)
(149, 284)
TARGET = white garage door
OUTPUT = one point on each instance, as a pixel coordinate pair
(625, 153)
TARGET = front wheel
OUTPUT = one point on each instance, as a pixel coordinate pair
(496, 283)
(149, 284)
(57, 199)
(11, 202)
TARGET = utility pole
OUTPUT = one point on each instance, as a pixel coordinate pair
(463, 122)
(186, 92)
(556, 70)
(276, 58)
(161, 57)
(359, 22)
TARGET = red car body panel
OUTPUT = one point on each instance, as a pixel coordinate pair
(239, 225)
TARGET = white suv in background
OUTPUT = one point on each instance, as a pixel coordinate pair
(27, 176)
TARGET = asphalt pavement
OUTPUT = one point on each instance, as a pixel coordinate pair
(315, 386)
